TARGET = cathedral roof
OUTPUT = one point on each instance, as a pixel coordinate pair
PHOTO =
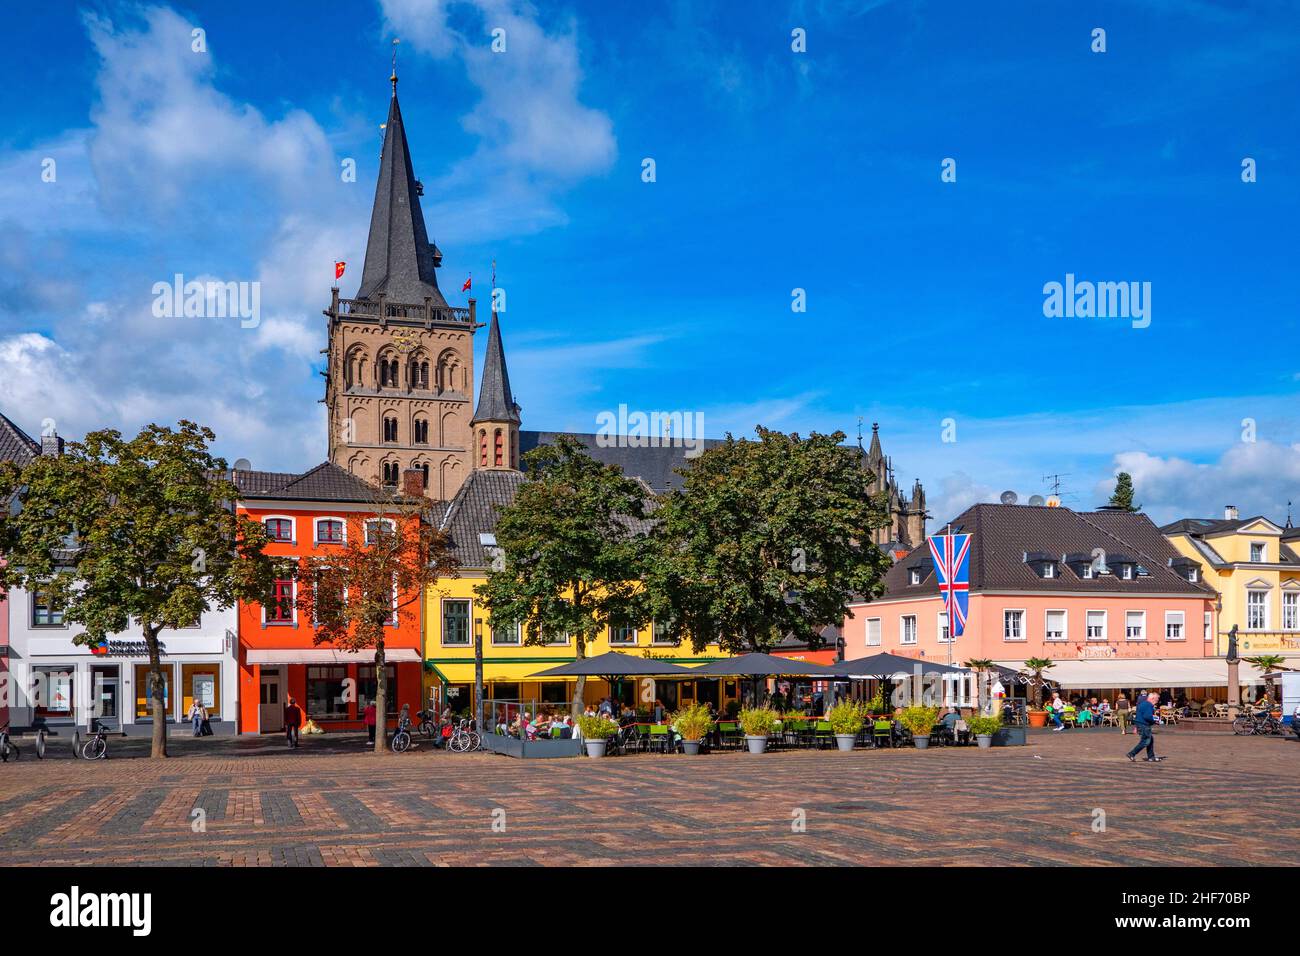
(496, 403)
(400, 260)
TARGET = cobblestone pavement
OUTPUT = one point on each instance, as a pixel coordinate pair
(1216, 800)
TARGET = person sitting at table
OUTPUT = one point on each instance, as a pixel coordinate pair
(1085, 716)
(566, 728)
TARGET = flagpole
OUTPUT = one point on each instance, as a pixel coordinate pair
(952, 597)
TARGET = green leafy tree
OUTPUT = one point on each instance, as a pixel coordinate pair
(356, 593)
(1123, 496)
(572, 551)
(144, 530)
(766, 538)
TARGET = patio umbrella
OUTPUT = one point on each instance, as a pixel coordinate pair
(757, 666)
(611, 666)
(889, 666)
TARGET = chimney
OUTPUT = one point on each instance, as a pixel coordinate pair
(413, 483)
(51, 444)
(1229, 512)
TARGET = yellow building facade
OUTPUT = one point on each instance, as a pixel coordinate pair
(1254, 564)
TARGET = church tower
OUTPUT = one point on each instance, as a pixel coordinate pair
(496, 419)
(399, 378)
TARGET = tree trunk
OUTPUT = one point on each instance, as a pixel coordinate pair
(580, 684)
(159, 707)
(1038, 691)
(979, 680)
(381, 699)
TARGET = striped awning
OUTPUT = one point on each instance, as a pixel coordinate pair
(1152, 672)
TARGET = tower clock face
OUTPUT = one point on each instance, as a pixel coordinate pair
(405, 341)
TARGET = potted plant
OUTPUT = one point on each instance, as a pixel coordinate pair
(846, 720)
(919, 721)
(693, 722)
(596, 732)
(984, 728)
(757, 724)
(1035, 666)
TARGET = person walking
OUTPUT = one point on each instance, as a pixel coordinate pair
(196, 717)
(1144, 721)
(292, 721)
(205, 722)
(1056, 709)
(369, 715)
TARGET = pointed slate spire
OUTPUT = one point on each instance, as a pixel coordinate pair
(495, 401)
(874, 454)
(400, 260)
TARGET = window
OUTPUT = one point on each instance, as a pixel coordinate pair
(390, 428)
(506, 634)
(498, 449)
(1191, 573)
(390, 473)
(329, 531)
(1258, 552)
(907, 629)
(419, 374)
(279, 609)
(1096, 625)
(1256, 610)
(144, 691)
(914, 576)
(280, 529)
(1054, 628)
(367, 687)
(482, 448)
(424, 474)
(46, 611)
(1174, 626)
(1049, 570)
(329, 602)
(1208, 635)
(1135, 625)
(325, 692)
(873, 632)
(561, 637)
(1087, 572)
(1290, 610)
(659, 633)
(422, 431)
(1013, 625)
(1126, 572)
(378, 529)
(622, 635)
(387, 373)
(941, 628)
(455, 622)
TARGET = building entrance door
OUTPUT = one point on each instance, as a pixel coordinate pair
(105, 686)
(271, 709)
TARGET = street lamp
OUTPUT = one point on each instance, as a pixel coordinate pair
(478, 674)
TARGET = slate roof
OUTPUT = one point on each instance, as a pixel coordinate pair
(326, 482)
(1003, 533)
(496, 403)
(653, 465)
(474, 511)
(15, 444)
(400, 260)
(1197, 530)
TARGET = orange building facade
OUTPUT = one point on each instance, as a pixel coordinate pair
(278, 657)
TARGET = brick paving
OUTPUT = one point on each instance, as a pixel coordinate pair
(1216, 800)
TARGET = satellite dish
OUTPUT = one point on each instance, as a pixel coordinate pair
(1053, 501)
(243, 464)
(1009, 497)
(1037, 501)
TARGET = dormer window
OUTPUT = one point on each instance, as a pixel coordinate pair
(1191, 574)
(1126, 572)
(1087, 572)
(1042, 563)
(1049, 570)
(1258, 552)
(914, 576)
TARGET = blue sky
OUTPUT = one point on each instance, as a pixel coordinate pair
(774, 171)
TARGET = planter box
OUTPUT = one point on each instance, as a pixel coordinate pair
(550, 747)
(1009, 737)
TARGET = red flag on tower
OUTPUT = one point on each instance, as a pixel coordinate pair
(338, 269)
(465, 287)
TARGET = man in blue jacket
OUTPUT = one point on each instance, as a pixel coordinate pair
(1145, 720)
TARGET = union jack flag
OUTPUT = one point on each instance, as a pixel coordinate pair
(951, 554)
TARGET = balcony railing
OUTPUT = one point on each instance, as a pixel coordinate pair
(426, 312)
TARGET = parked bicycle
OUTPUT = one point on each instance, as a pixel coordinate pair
(465, 738)
(401, 741)
(1259, 723)
(7, 747)
(96, 748)
(428, 722)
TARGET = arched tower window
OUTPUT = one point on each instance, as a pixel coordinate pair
(390, 428)
(421, 431)
(390, 473)
(482, 447)
(498, 449)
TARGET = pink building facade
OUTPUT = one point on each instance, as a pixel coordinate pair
(1102, 594)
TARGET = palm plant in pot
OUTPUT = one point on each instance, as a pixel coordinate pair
(846, 719)
(1035, 666)
(693, 722)
(919, 721)
(757, 724)
(596, 732)
(984, 728)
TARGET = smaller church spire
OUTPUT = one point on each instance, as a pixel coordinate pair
(496, 403)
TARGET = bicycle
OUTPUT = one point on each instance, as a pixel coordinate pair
(96, 748)
(40, 743)
(428, 726)
(401, 741)
(1258, 723)
(465, 738)
(7, 747)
